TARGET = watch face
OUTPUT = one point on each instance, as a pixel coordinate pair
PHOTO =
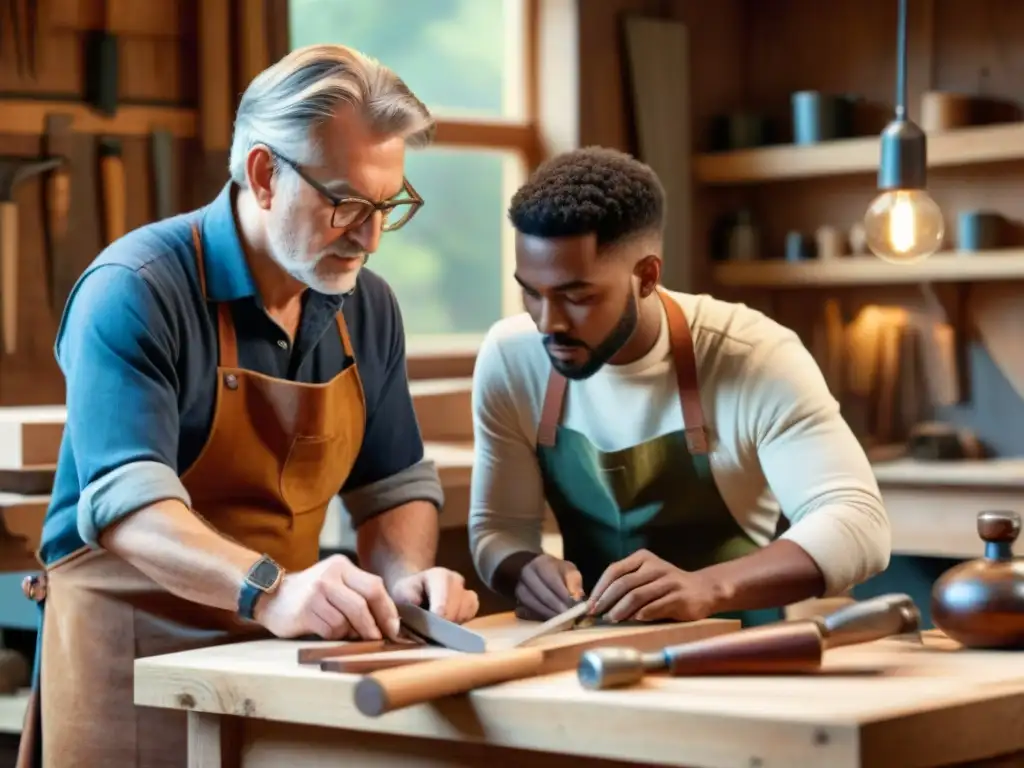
(264, 574)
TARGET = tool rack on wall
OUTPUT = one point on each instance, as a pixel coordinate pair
(137, 101)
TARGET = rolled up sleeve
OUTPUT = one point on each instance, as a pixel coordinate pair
(391, 469)
(115, 347)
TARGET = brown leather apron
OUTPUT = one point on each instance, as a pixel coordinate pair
(277, 452)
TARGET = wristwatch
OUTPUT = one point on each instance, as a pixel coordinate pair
(263, 578)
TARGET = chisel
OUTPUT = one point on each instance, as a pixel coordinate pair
(112, 179)
(784, 647)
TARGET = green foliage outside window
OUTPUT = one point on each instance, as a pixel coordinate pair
(445, 265)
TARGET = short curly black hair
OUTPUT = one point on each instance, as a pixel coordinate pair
(590, 190)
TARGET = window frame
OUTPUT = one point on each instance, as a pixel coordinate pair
(528, 138)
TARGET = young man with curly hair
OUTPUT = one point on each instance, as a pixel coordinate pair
(689, 448)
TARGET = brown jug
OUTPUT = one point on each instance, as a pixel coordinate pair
(980, 603)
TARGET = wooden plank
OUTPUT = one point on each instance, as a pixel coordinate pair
(483, 134)
(443, 409)
(153, 18)
(28, 117)
(936, 703)
(30, 435)
(658, 52)
(253, 41)
(561, 650)
(967, 146)
(216, 100)
(952, 267)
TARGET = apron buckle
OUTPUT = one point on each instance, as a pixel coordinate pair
(697, 440)
(34, 587)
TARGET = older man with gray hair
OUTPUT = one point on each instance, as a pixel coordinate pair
(229, 371)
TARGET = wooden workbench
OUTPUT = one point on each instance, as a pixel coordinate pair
(885, 704)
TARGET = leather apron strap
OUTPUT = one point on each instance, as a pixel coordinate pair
(226, 322)
(685, 360)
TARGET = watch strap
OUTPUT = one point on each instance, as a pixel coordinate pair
(263, 577)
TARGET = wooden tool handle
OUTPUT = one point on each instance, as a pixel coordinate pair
(785, 647)
(392, 689)
(112, 171)
(58, 201)
(9, 274)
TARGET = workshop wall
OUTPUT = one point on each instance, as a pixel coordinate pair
(137, 98)
(748, 56)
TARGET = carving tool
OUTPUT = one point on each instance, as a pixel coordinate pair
(13, 171)
(162, 155)
(785, 647)
(112, 175)
(394, 685)
(101, 66)
(433, 629)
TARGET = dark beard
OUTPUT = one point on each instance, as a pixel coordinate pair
(603, 352)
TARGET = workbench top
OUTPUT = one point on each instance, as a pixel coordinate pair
(889, 703)
(992, 473)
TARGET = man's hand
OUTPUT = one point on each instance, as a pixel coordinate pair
(646, 588)
(333, 599)
(547, 586)
(443, 591)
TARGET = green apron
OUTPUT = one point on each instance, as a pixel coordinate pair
(659, 495)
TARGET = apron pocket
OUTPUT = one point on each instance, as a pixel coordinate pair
(309, 477)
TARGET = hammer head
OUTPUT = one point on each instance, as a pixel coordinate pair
(15, 169)
(601, 668)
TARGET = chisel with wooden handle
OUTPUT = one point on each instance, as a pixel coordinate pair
(113, 181)
(401, 686)
(785, 647)
(13, 171)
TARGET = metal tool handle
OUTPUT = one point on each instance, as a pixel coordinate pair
(872, 619)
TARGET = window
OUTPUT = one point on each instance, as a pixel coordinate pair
(451, 267)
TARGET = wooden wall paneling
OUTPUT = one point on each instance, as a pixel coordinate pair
(253, 42)
(716, 86)
(30, 376)
(157, 67)
(215, 66)
(659, 63)
(954, 45)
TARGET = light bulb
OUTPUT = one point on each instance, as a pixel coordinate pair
(904, 226)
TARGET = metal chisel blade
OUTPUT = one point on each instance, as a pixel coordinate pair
(434, 629)
(565, 620)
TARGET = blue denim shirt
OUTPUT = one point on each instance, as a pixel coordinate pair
(138, 349)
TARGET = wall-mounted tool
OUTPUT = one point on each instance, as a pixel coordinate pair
(22, 17)
(164, 193)
(113, 182)
(13, 171)
(57, 203)
(101, 66)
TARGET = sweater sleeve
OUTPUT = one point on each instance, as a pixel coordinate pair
(814, 466)
(506, 512)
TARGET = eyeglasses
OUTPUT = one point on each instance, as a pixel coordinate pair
(350, 211)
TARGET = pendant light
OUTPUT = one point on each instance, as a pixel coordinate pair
(903, 224)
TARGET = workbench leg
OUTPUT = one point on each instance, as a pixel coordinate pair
(214, 741)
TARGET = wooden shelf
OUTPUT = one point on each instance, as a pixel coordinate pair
(12, 711)
(984, 144)
(952, 267)
(28, 117)
(988, 473)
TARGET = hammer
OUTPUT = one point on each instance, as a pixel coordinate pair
(784, 647)
(14, 170)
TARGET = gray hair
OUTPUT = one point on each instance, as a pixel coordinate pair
(285, 103)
